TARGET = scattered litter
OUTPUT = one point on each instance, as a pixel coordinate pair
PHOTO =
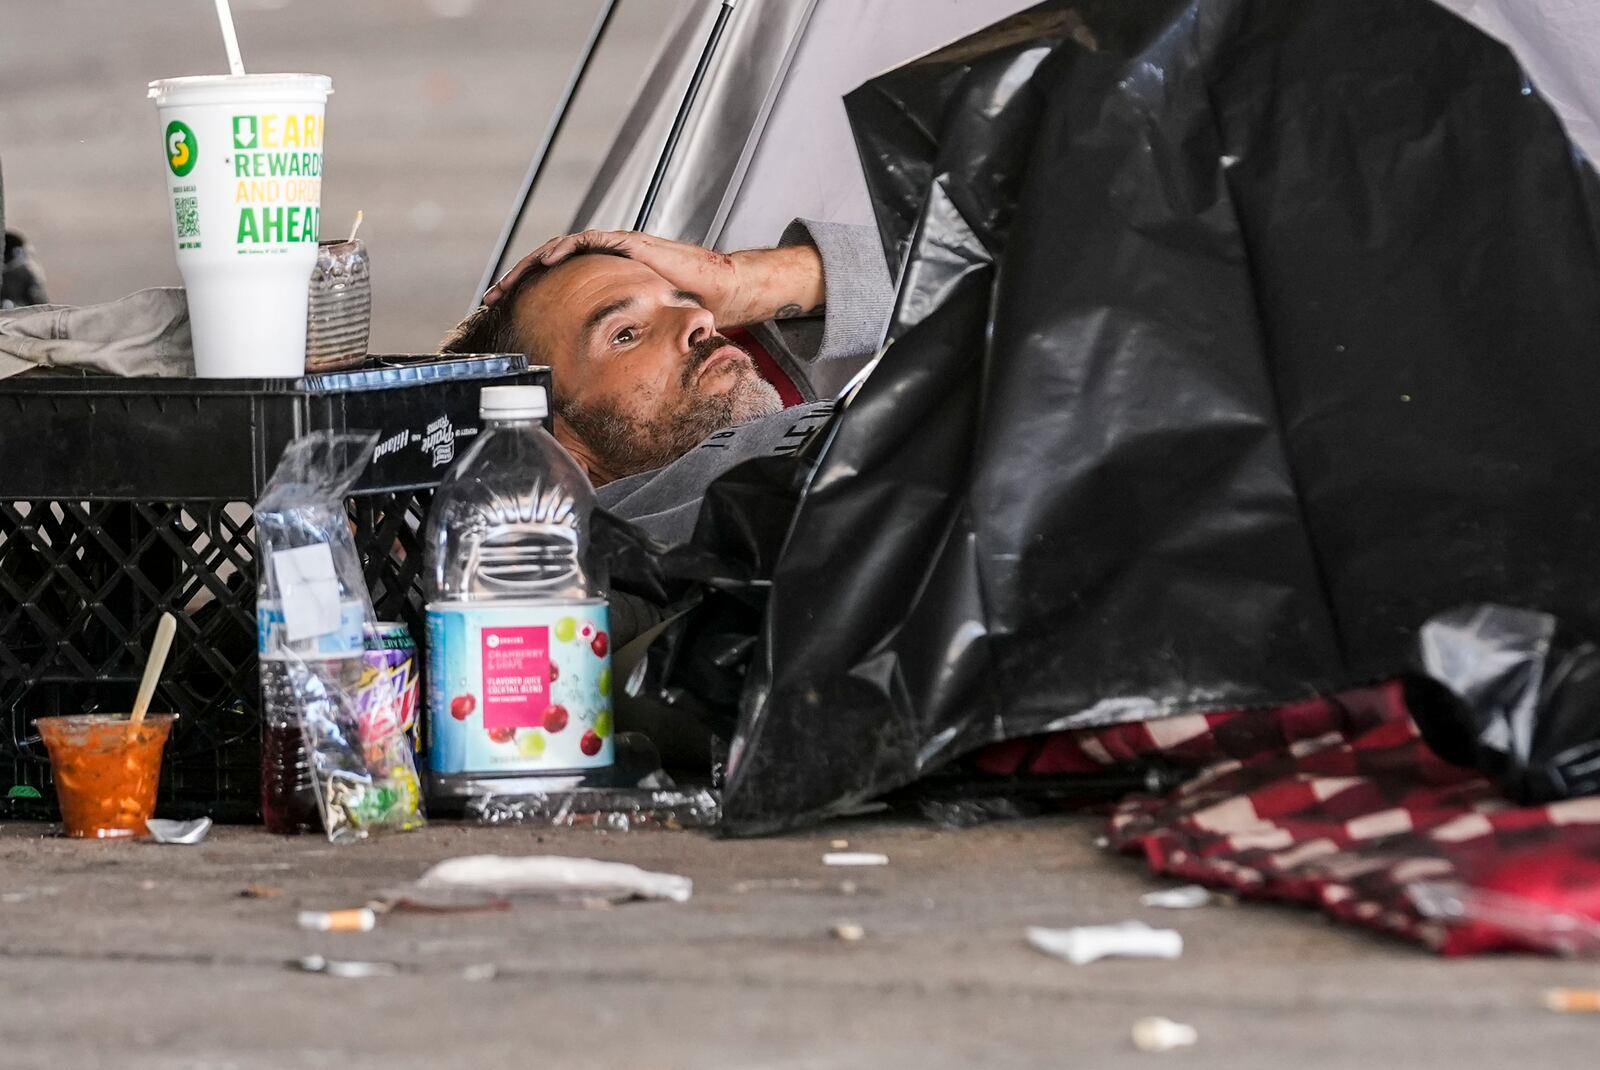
(840, 845)
(28, 893)
(1102, 842)
(849, 932)
(483, 971)
(355, 920)
(1187, 897)
(796, 884)
(1163, 1034)
(1573, 1000)
(148, 886)
(1085, 944)
(616, 809)
(163, 830)
(260, 891)
(552, 876)
(780, 884)
(854, 858)
(345, 968)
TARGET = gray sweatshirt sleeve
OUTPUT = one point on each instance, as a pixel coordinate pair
(860, 293)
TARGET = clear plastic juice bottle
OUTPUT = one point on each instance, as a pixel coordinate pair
(519, 659)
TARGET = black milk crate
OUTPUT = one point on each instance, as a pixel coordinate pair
(124, 498)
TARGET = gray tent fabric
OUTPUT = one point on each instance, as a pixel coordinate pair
(143, 334)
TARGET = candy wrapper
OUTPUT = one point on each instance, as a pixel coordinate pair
(314, 616)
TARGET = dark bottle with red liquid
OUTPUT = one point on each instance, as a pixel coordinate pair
(288, 801)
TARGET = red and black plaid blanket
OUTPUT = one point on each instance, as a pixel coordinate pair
(1338, 803)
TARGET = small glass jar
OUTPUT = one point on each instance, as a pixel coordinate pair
(339, 317)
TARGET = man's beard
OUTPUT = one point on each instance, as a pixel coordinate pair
(624, 445)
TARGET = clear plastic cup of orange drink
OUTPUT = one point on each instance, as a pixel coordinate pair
(106, 770)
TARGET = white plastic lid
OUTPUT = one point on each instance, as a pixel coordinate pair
(513, 403)
(241, 89)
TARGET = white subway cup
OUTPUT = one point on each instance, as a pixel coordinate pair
(243, 159)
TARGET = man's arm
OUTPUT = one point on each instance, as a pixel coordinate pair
(741, 288)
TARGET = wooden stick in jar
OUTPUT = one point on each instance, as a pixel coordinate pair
(152, 668)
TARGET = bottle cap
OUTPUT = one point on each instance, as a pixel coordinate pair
(513, 403)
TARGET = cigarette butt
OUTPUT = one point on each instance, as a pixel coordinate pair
(855, 858)
(346, 970)
(849, 932)
(1573, 1000)
(355, 920)
(1163, 1034)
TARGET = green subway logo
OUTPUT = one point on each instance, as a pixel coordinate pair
(182, 148)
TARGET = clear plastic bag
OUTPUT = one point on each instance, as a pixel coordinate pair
(616, 809)
(313, 614)
(643, 796)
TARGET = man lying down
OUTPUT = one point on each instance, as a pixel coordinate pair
(650, 393)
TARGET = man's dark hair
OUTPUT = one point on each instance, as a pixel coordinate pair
(491, 328)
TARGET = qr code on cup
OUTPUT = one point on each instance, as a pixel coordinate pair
(187, 210)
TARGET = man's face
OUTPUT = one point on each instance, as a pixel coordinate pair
(641, 375)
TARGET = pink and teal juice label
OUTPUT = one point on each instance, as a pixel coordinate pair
(519, 689)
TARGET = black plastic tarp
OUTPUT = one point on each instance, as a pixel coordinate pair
(1509, 692)
(1234, 340)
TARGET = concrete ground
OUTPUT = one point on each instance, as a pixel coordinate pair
(139, 955)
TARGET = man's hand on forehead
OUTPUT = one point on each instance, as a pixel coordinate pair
(738, 288)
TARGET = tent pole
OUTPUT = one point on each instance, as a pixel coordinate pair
(542, 154)
(682, 117)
